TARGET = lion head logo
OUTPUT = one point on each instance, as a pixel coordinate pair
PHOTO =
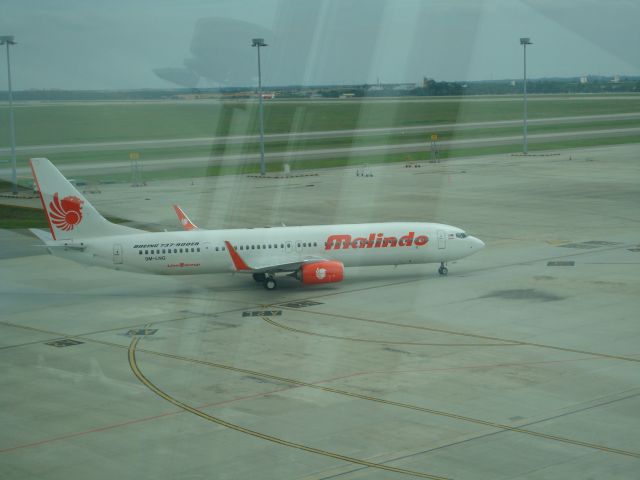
(321, 273)
(66, 213)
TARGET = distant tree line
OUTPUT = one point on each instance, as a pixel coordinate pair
(497, 87)
(427, 88)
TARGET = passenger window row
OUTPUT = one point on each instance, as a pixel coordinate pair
(268, 246)
(168, 250)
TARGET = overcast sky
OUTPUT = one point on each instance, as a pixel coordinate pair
(97, 44)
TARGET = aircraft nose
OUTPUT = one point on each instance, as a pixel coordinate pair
(477, 243)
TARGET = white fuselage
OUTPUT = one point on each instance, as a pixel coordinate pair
(204, 252)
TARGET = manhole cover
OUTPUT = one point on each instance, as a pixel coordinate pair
(300, 304)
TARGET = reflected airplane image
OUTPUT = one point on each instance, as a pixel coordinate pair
(314, 254)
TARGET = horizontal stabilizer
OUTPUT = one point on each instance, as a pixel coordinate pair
(42, 235)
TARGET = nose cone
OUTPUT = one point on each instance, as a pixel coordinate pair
(477, 243)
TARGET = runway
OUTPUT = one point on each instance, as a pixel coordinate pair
(92, 167)
(521, 363)
(298, 136)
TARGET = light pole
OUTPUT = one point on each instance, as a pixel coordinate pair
(259, 42)
(8, 41)
(524, 42)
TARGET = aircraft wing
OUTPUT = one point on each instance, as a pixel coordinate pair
(272, 266)
(286, 267)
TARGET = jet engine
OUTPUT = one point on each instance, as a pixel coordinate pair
(321, 272)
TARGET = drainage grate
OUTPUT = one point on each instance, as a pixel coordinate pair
(589, 244)
(561, 264)
(262, 313)
(300, 304)
(65, 342)
(578, 245)
(140, 332)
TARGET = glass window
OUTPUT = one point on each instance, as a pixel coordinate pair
(455, 112)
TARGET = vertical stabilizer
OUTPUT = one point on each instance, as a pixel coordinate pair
(70, 215)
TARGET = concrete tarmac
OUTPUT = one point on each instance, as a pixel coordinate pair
(522, 363)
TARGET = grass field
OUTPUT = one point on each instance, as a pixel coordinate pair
(12, 216)
(22, 217)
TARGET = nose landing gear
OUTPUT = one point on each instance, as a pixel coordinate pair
(443, 270)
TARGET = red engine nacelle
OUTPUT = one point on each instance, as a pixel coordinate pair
(321, 272)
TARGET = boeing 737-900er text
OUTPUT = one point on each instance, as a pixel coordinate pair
(313, 254)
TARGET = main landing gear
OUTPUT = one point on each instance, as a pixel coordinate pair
(270, 283)
(265, 279)
(443, 270)
(259, 277)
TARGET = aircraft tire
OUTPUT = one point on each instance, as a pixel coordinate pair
(270, 283)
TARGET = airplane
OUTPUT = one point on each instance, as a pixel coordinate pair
(316, 254)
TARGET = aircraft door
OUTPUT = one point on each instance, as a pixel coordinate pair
(299, 246)
(117, 254)
(442, 239)
(288, 246)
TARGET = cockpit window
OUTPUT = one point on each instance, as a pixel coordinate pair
(461, 235)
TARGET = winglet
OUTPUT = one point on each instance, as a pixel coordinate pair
(238, 262)
(186, 223)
